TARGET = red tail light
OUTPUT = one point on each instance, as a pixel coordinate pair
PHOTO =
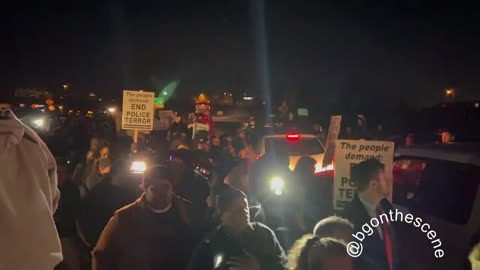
(293, 136)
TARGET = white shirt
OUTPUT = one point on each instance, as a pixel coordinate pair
(161, 211)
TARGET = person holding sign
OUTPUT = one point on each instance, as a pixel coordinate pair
(370, 202)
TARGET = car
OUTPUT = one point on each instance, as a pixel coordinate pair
(297, 145)
(440, 184)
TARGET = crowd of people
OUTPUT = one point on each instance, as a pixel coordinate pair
(199, 204)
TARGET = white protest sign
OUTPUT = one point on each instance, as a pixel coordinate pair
(166, 118)
(348, 153)
(199, 127)
(137, 112)
(333, 131)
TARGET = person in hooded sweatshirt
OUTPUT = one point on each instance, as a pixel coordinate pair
(28, 197)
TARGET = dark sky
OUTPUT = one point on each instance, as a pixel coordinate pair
(397, 50)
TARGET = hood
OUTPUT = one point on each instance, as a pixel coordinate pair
(11, 131)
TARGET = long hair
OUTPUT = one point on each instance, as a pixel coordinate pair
(295, 252)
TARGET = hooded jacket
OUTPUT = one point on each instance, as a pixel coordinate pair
(28, 199)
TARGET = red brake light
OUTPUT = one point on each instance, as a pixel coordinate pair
(293, 136)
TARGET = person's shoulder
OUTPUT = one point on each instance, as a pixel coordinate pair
(181, 201)
(352, 210)
(261, 228)
(128, 211)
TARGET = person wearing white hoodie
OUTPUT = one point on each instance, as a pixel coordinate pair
(28, 198)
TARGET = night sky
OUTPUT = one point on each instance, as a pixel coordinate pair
(383, 50)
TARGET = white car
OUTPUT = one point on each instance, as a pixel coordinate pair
(297, 145)
(443, 183)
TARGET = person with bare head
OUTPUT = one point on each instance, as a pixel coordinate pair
(154, 232)
(238, 243)
(371, 202)
(334, 227)
(314, 253)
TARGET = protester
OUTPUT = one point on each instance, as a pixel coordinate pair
(334, 227)
(29, 197)
(361, 132)
(410, 140)
(216, 150)
(151, 233)
(331, 227)
(65, 219)
(189, 186)
(237, 243)
(370, 202)
(319, 132)
(105, 161)
(314, 193)
(238, 178)
(342, 229)
(105, 198)
(314, 253)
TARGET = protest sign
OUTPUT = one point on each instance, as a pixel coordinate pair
(137, 112)
(164, 121)
(349, 153)
(333, 131)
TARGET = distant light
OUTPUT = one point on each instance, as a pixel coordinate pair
(99, 99)
(138, 167)
(112, 109)
(230, 94)
(247, 98)
(38, 123)
(477, 105)
(218, 261)
(22, 105)
(276, 185)
(165, 93)
(92, 94)
(65, 86)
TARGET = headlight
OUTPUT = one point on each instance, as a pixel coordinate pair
(218, 261)
(138, 167)
(276, 185)
(38, 123)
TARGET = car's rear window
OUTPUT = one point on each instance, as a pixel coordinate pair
(445, 190)
(300, 147)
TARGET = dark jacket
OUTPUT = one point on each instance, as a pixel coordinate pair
(257, 239)
(373, 246)
(196, 190)
(68, 210)
(100, 205)
(138, 238)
